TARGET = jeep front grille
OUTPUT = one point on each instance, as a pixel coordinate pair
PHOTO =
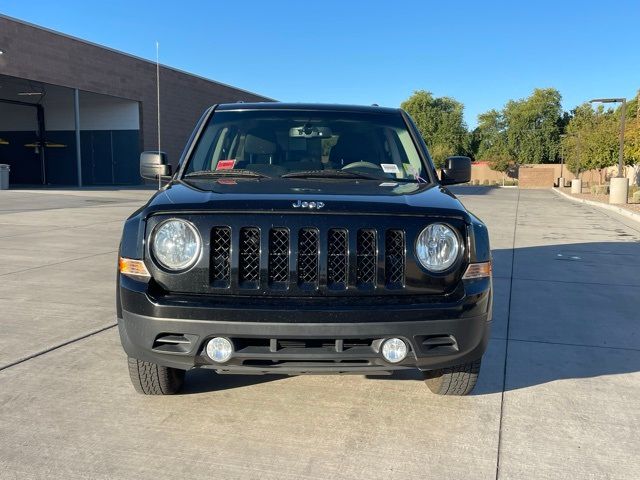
(337, 258)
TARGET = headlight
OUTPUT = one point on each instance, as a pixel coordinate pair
(175, 244)
(437, 247)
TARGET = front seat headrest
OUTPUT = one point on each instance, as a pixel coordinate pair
(352, 147)
(260, 142)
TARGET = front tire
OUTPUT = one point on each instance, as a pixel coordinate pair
(456, 380)
(153, 379)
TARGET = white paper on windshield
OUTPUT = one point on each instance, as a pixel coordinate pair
(388, 184)
(390, 168)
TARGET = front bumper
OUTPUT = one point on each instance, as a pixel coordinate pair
(307, 338)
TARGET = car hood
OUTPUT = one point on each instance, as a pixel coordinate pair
(279, 195)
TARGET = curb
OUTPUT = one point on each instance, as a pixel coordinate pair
(622, 211)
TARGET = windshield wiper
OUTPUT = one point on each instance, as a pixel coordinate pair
(342, 174)
(225, 173)
(330, 174)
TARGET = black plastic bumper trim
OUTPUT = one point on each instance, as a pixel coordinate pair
(137, 333)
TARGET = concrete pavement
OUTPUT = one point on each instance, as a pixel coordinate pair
(557, 396)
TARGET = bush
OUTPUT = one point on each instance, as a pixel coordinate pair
(486, 183)
(600, 189)
(476, 182)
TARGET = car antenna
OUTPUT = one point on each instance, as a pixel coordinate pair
(158, 102)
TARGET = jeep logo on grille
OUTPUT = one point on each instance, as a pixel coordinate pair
(309, 205)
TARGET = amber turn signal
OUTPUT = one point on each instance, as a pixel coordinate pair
(477, 270)
(133, 268)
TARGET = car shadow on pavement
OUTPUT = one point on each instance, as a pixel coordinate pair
(571, 312)
(204, 380)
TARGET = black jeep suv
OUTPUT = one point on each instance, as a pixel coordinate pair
(299, 239)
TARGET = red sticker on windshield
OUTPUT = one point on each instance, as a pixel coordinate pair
(226, 164)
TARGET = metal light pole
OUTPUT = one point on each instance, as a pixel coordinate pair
(619, 188)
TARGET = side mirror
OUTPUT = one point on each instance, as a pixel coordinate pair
(455, 170)
(154, 165)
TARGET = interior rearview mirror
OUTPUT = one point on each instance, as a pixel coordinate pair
(455, 170)
(154, 166)
(310, 131)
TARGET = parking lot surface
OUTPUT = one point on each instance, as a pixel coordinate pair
(557, 398)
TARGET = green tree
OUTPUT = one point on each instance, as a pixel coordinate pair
(501, 163)
(573, 144)
(490, 137)
(441, 123)
(533, 126)
(592, 139)
(602, 140)
(632, 143)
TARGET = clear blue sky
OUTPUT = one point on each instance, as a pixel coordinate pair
(482, 53)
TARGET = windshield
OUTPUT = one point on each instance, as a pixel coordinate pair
(307, 144)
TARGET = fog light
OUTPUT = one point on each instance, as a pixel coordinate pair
(394, 350)
(219, 349)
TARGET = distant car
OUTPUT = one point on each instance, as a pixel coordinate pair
(296, 239)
